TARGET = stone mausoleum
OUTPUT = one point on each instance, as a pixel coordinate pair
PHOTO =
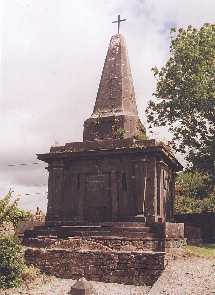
(112, 194)
(116, 173)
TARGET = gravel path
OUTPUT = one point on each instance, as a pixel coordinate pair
(56, 286)
(193, 276)
(190, 276)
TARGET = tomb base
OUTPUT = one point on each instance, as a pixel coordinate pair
(136, 268)
(116, 252)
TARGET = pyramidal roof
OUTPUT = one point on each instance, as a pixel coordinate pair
(116, 90)
(115, 112)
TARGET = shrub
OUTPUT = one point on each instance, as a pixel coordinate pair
(30, 274)
(10, 212)
(186, 204)
(208, 204)
(11, 263)
(195, 193)
(193, 184)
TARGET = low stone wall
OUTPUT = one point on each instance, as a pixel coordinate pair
(27, 225)
(137, 268)
(193, 234)
(169, 230)
(198, 226)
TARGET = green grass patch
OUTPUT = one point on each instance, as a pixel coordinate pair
(202, 250)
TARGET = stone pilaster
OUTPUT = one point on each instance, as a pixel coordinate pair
(151, 193)
(173, 195)
(80, 196)
(55, 191)
(141, 169)
(114, 194)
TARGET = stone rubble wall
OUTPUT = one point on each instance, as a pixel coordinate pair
(70, 243)
(107, 244)
(137, 268)
(123, 244)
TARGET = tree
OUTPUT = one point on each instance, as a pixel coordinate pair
(194, 193)
(184, 99)
(9, 211)
(193, 184)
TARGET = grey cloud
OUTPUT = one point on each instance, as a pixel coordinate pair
(52, 54)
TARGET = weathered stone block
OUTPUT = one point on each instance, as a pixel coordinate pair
(82, 287)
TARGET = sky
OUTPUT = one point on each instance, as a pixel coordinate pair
(51, 57)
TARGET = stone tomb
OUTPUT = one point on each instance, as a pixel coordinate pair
(112, 175)
(116, 185)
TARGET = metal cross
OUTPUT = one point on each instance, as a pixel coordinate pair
(119, 21)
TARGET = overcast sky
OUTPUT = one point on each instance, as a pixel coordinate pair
(52, 54)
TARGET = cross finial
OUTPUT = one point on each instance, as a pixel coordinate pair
(119, 21)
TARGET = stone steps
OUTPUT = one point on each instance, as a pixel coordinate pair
(137, 234)
(123, 229)
(77, 228)
(131, 229)
(36, 233)
(95, 233)
(124, 224)
(83, 233)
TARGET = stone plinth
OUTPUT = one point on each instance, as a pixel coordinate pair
(110, 180)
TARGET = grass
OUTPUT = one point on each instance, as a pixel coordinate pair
(201, 250)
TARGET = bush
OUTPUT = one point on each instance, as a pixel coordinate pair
(30, 274)
(193, 184)
(10, 212)
(184, 205)
(208, 204)
(195, 193)
(11, 263)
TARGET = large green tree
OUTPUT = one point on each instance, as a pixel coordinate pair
(184, 99)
